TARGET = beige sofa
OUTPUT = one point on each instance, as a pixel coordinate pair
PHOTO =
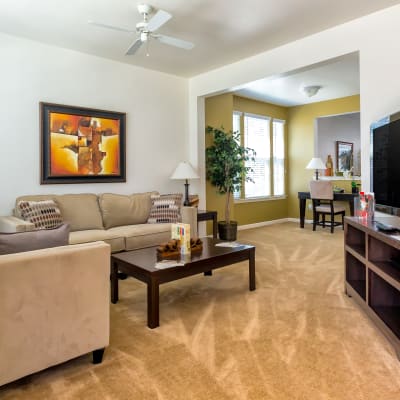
(54, 307)
(119, 220)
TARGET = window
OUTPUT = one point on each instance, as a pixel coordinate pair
(278, 154)
(237, 117)
(268, 174)
(257, 137)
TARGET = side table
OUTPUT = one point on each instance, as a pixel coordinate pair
(204, 215)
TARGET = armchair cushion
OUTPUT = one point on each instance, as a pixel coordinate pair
(26, 241)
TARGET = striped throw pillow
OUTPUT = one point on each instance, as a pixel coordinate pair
(165, 208)
(43, 214)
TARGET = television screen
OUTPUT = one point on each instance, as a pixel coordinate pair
(386, 164)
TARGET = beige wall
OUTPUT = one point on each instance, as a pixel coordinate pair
(301, 142)
(155, 104)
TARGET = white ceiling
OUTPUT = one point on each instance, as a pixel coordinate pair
(338, 78)
(223, 31)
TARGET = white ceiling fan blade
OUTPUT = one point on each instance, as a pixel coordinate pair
(160, 18)
(115, 28)
(133, 47)
(183, 44)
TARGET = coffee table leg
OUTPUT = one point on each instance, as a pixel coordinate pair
(153, 304)
(252, 269)
(208, 273)
(114, 282)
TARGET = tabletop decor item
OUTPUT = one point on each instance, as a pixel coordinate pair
(172, 248)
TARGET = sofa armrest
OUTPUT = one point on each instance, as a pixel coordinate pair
(11, 224)
(54, 307)
(189, 216)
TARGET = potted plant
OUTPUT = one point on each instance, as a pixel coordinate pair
(226, 170)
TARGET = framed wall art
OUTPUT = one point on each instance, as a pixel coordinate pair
(81, 145)
(344, 156)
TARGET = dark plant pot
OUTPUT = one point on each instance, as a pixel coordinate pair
(227, 231)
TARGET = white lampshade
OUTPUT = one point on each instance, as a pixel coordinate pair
(184, 171)
(316, 163)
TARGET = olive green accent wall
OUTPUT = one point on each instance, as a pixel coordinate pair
(218, 111)
(301, 143)
(299, 130)
(267, 210)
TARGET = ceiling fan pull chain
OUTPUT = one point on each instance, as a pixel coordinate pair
(147, 48)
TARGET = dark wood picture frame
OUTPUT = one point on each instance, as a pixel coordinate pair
(344, 156)
(81, 145)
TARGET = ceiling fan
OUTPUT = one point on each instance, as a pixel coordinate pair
(146, 29)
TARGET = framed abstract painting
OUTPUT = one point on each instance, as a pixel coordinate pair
(81, 145)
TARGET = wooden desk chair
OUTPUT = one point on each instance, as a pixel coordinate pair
(321, 193)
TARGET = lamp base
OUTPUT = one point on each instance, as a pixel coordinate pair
(186, 202)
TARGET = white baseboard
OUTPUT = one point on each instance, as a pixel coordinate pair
(306, 221)
(274, 221)
(264, 223)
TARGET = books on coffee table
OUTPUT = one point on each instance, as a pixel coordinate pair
(229, 244)
(168, 264)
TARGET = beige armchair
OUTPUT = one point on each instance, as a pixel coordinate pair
(54, 307)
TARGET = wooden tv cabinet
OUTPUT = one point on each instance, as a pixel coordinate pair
(372, 273)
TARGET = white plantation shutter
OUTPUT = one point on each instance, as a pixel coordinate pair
(257, 137)
(278, 151)
(268, 174)
(236, 128)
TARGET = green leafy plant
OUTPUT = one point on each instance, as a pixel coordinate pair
(226, 164)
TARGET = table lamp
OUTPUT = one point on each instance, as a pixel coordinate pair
(185, 171)
(316, 163)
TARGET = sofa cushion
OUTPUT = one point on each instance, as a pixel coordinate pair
(118, 209)
(80, 210)
(142, 235)
(165, 208)
(26, 241)
(115, 240)
(43, 214)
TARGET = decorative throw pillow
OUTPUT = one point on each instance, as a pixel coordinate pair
(43, 214)
(26, 241)
(165, 208)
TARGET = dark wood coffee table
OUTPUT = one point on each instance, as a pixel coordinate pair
(140, 264)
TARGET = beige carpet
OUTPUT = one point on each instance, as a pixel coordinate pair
(296, 337)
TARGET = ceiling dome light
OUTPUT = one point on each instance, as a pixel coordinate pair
(311, 91)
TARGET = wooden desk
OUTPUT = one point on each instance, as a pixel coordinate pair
(204, 215)
(303, 196)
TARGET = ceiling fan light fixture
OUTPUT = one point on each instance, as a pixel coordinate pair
(311, 90)
(147, 29)
(144, 9)
(144, 36)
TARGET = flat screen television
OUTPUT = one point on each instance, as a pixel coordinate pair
(385, 163)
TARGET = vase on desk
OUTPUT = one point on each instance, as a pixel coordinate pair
(329, 166)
